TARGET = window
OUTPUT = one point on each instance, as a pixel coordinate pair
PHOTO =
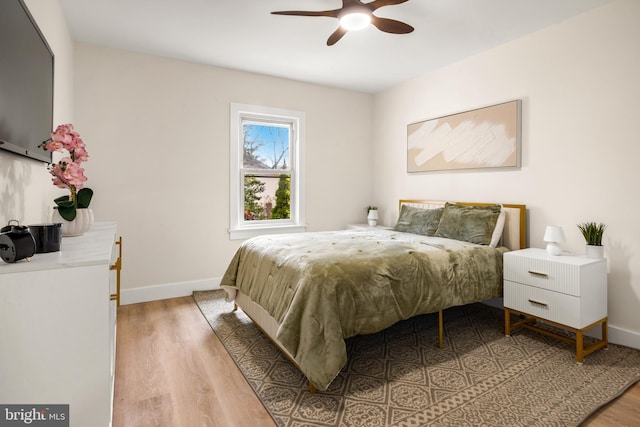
(267, 181)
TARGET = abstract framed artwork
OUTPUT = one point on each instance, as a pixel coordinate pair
(488, 137)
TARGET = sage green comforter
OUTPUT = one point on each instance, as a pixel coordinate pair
(324, 287)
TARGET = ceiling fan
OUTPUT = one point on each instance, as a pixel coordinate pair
(356, 15)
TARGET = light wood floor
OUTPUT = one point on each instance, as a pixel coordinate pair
(171, 370)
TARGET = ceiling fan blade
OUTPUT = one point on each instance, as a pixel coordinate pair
(329, 13)
(381, 3)
(391, 25)
(337, 35)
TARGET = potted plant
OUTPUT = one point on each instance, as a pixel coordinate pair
(68, 173)
(372, 215)
(592, 233)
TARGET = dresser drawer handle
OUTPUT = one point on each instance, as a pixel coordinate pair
(542, 304)
(535, 273)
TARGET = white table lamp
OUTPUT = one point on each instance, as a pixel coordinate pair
(554, 235)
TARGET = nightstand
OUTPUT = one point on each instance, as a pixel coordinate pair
(567, 291)
(366, 226)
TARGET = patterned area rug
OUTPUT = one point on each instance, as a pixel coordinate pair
(399, 377)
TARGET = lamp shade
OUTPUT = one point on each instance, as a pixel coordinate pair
(554, 233)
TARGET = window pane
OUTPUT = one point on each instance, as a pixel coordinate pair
(267, 197)
(266, 143)
(266, 146)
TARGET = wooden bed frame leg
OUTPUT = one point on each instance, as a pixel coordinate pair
(312, 389)
(235, 307)
(440, 330)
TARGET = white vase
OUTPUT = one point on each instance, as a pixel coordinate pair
(595, 252)
(80, 225)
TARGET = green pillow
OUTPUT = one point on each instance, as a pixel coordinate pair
(418, 221)
(473, 224)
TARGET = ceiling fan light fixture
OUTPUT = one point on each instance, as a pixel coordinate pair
(356, 15)
(355, 21)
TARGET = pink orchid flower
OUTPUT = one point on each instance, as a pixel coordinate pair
(68, 173)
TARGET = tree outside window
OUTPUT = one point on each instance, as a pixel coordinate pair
(267, 177)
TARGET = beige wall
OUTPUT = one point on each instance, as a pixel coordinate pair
(157, 131)
(579, 84)
(26, 191)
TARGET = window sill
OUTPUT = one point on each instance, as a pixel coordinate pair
(248, 232)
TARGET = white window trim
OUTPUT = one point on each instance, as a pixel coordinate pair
(238, 228)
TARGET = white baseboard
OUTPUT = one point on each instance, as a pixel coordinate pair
(624, 337)
(165, 291)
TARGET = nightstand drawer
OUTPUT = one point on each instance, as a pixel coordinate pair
(554, 306)
(570, 275)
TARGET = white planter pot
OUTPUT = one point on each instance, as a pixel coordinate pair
(595, 252)
(80, 225)
(372, 217)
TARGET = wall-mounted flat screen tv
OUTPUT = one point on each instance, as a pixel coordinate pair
(26, 83)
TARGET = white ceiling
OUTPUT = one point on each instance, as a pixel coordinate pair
(242, 34)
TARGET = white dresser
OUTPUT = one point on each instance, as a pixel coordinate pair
(567, 291)
(58, 326)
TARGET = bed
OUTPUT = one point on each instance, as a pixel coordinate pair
(308, 292)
